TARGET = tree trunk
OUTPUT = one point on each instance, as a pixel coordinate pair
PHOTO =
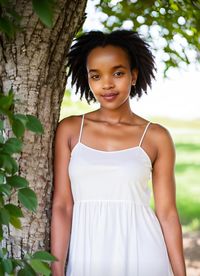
(34, 64)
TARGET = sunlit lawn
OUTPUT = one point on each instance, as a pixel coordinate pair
(186, 135)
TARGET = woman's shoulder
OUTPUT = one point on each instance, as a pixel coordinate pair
(159, 130)
(69, 120)
(68, 125)
(160, 135)
(154, 129)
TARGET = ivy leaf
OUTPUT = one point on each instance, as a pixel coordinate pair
(5, 189)
(1, 236)
(7, 265)
(4, 216)
(1, 178)
(22, 118)
(28, 198)
(14, 210)
(44, 256)
(40, 267)
(17, 262)
(16, 222)
(44, 10)
(8, 163)
(27, 271)
(6, 100)
(1, 137)
(18, 127)
(1, 125)
(34, 124)
(17, 181)
(12, 145)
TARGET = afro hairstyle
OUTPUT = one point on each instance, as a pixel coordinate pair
(137, 49)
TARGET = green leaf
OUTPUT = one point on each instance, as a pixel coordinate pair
(28, 198)
(44, 256)
(34, 124)
(7, 27)
(1, 125)
(17, 181)
(27, 270)
(3, 252)
(17, 263)
(2, 178)
(7, 265)
(6, 100)
(12, 145)
(1, 269)
(14, 210)
(4, 216)
(16, 222)
(1, 137)
(44, 10)
(1, 201)
(1, 234)
(22, 118)
(40, 267)
(8, 163)
(18, 127)
(5, 189)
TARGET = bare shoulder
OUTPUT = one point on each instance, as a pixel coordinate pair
(160, 131)
(68, 124)
(68, 128)
(161, 137)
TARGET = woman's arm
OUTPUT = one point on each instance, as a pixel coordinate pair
(62, 206)
(165, 201)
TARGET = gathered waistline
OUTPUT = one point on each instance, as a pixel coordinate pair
(110, 201)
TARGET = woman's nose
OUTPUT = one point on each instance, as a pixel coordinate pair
(108, 83)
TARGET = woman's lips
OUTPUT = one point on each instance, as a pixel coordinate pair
(110, 96)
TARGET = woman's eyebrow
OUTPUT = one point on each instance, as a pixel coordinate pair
(114, 67)
(119, 66)
(93, 71)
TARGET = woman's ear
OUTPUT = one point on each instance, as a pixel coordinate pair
(134, 76)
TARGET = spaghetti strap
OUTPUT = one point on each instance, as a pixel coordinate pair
(141, 140)
(79, 139)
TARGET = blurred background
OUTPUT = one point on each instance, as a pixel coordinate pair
(173, 100)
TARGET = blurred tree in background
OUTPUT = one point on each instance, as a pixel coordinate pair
(171, 26)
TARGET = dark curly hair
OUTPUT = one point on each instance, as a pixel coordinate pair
(137, 49)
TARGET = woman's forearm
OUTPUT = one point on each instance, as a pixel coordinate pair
(60, 235)
(173, 237)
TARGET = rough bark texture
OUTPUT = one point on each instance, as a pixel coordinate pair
(34, 64)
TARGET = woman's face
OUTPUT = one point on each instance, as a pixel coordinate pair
(109, 75)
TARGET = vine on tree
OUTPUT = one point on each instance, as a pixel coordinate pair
(12, 183)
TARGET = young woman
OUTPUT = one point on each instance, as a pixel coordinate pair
(102, 224)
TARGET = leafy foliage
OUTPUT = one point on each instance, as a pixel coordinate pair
(10, 183)
(171, 26)
(44, 10)
(10, 19)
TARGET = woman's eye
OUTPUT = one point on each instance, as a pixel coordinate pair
(95, 77)
(118, 74)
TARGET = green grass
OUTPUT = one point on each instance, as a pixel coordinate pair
(186, 136)
(188, 184)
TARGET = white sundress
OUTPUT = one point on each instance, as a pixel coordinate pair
(114, 230)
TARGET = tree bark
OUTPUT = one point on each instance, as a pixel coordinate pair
(34, 65)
